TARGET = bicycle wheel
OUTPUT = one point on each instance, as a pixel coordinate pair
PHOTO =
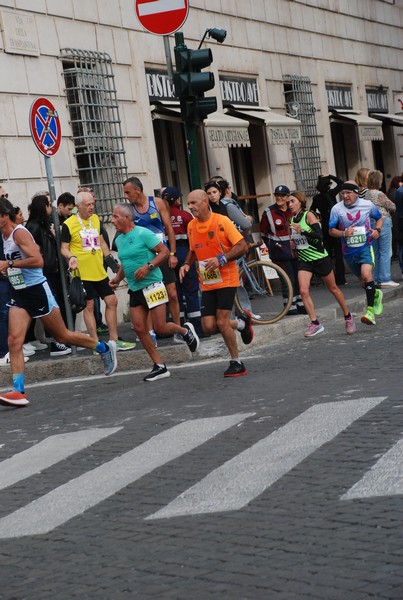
(266, 291)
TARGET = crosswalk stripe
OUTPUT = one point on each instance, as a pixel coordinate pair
(384, 479)
(241, 479)
(47, 453)
(84, 492)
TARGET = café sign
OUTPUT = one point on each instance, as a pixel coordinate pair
(239, 90)
(339, 97)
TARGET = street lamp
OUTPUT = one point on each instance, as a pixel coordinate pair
(217, 34)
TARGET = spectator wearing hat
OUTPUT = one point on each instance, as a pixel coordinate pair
(322, 204)
(350, 220)
(188, 289)
(276, 234)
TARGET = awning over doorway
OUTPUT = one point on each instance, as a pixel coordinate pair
(369, 129)
(280, 129)
(224, 131)
(390, 118)
(170, 111)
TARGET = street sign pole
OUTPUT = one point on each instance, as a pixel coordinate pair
(60, 258)
(168, 57)
(46, 134)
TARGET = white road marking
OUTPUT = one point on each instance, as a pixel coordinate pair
(47, 453)
(159, 6)
(384, 479)
(84, 492)
(241, 479)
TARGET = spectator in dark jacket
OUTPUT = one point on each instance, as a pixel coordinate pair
(322, 204)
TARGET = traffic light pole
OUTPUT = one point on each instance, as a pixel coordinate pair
(190, 85)
(193, 155)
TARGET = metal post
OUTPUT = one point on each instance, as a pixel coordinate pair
(168, 58)
(193, 156)
(55, 215)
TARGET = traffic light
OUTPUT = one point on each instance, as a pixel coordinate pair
(190, 83)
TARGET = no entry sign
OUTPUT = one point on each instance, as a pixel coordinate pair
(162, 17)
(45, 126)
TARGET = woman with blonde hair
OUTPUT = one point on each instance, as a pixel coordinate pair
(383, 245)
(313, 259)
(361, 179)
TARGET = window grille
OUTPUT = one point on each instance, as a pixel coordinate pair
(94, 116)
(306, 154)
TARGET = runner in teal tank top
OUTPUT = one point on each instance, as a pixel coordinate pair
(313, 260)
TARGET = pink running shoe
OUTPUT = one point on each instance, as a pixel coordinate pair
(350, 326)
(314, 330)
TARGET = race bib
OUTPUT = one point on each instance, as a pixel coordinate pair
(358, 238)
(155, 294)
(209, 277)
(90, 240)
(300, 241)
(16, 278)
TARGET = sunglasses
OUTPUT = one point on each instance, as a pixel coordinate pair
(4, 196)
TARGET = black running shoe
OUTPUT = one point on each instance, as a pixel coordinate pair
(191, 337)
(157, 373)
(247, 333)
(235, 369)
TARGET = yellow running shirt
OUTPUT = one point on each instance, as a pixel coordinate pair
(84, 244)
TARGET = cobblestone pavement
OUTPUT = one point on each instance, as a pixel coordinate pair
(285, 484)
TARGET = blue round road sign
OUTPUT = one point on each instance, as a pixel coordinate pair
(45, 126)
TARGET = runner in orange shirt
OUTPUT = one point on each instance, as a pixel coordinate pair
(215, 243)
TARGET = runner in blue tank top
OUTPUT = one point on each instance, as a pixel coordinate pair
(351, 221)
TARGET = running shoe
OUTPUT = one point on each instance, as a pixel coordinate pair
(191, 337)
(57, 349)
(5, 360)
(122, 346)
(157, 372)
(38, 345)
(314, 330)
(247, 332)
(14, 398)
(28, 350)
(109, 358)
(378, 306)
(350, 325)
(389, 284)
(178, 339)
(235, 369)
(369, 317)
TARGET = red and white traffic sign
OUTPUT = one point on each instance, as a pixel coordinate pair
(45, 126)
(162, 17)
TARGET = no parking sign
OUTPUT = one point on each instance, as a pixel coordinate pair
(45, 126)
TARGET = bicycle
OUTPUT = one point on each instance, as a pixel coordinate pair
(265, 291)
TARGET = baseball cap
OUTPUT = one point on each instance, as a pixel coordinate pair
(282, 190)
(172, 192)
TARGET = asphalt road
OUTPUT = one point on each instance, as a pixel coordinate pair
(285, 484)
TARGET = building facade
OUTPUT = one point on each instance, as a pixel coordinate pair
(303, 87)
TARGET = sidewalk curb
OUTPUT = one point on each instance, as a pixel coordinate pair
(82, 365)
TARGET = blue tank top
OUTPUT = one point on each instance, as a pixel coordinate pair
(14, 252)
(151, 219)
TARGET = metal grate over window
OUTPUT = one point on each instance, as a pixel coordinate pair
(305, 155)
(97, 134)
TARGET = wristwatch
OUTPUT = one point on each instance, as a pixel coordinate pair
(10, 263)
(172, 254)
(378, 229)
(151, 266)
